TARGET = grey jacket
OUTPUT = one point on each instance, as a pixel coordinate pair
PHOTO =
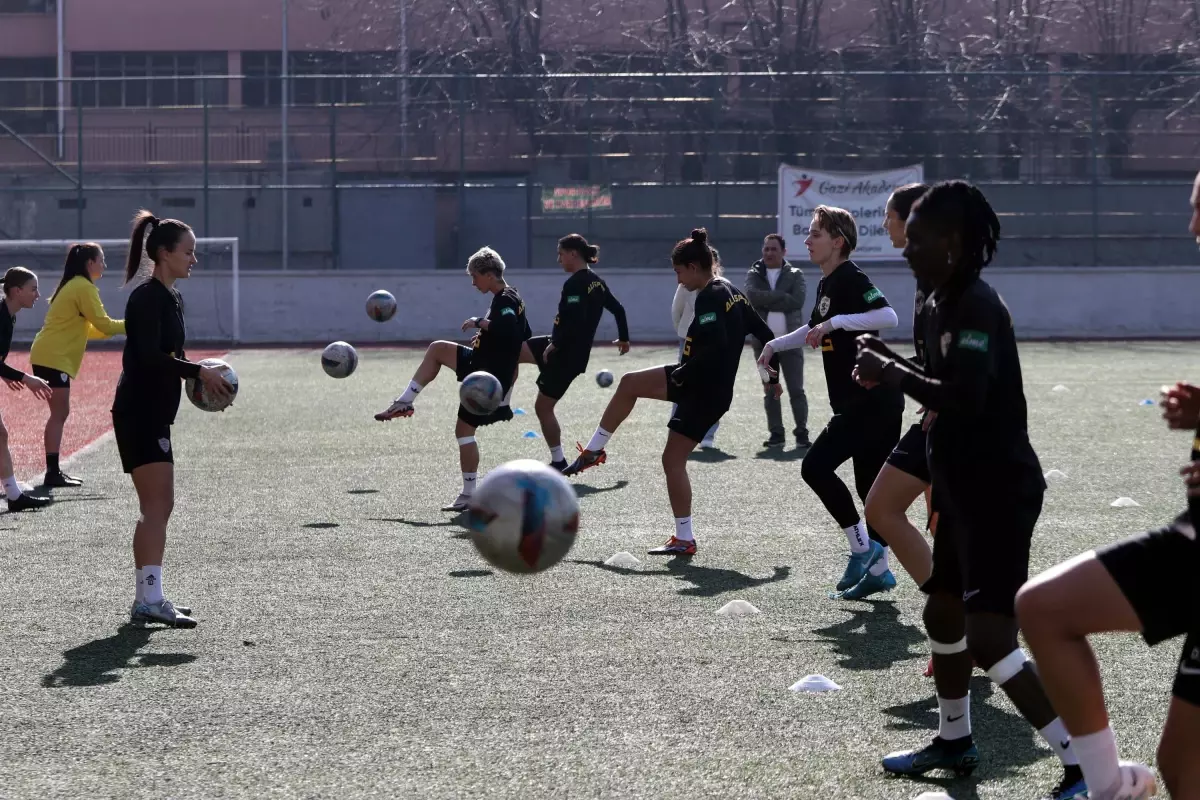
(788, 295)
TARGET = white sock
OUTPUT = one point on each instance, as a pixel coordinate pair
(598, 440)
(139, 594)
(469, 483)
(153, 588)
(411, 392)
(1059, 740)
(1097, 753)
(856, 534)
(11, 488)
(954, 717)
(556, 453)
(683, 529)
(881, 566)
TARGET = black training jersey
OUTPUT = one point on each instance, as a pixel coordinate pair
(974, 384)
(153, 363)
(7, 322)
(848, 290)
(920, 317)
(584, 298)
(715, 339)
(498, 349)
(1192, 514)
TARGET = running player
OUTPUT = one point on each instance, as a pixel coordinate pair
(1141, 584)
(495, 348)
(20, 291)
(701, 384)
(866, 422)
(563, 356)
(147, 399)
(75, 315)
(987, 481)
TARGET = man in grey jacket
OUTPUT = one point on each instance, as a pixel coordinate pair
(777, 290)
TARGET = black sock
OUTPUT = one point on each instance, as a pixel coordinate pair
(52, 462)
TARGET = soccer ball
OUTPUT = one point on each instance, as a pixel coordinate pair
(381, 306)
(523, 517)
(480, 393)
(201, 399)
(339, 360)
(604, 378)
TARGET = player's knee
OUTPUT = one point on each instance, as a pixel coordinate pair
(1179, 768)
(943, 621)
(158, 510)
(1032, 600)
(877, 509)
(544, 406)
(993, 645)
(812, 471)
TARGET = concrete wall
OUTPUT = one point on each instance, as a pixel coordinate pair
(320, 307)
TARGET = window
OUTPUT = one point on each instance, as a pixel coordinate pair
(29, 103)
(262, 85)
(154, 79)
(28, 6)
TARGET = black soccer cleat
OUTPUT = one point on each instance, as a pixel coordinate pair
(586, 460)
(27, 502)
(559, 466)
(60, 480)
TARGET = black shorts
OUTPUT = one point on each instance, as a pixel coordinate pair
(55, 377)
(693, 416)
(981, 551)
(464, 365)
(909, 455)
(140, 444)
(1155, 572)
(554, 378)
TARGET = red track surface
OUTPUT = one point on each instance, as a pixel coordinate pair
(91, 399)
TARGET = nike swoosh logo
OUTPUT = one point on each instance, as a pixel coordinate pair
(955, 719)
(1065, 745)
(970, 594)
(1184, 669)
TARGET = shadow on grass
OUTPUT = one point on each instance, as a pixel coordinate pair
(362, 491)
(320, 526)
(711, 455)
(872, 639)
(98, 662)
(779, 454)
(470, 573)
(459, 520)
(1006, 742)
(706, 581)
(583, 490)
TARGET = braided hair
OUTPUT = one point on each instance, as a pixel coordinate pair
(958, 206)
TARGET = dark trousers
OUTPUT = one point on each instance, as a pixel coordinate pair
(791, 368)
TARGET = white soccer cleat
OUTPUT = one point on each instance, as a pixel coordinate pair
(459, 504)
(1137, 783)
(398, 408)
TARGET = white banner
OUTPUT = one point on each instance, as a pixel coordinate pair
(863, 194)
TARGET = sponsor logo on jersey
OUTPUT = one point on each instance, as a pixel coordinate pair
(707, 318)
(731, 302)
(872, 294)
(973, 340)
(574, 298)
(823, 305)
(509, 310)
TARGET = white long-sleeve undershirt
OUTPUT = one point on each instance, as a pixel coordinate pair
(874, 320)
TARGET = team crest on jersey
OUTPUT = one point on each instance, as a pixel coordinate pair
(165, 444)
(947, 337)
(823, 305)
(507, 310)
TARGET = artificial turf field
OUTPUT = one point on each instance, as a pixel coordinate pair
(352, 643)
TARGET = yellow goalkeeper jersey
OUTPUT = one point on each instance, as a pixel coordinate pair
(76, 315)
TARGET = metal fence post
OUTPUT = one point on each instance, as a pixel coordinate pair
(714, 158)
(335, 195)
(79, 198)
(588, 195)
(205, 143)
(1095, 176)
(462, 164)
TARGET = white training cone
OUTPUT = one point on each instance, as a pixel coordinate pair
(624, 560)
(738, 608)
(815, 683)
(1124, 502)
(933, 796)
(1060, 388)
(1055, 475)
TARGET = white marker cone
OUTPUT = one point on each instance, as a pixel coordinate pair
(624, 560)
(1055, 475)
(1124, 502)
(1060, 388)
(738, 608)
(933, 796)
(815, 683)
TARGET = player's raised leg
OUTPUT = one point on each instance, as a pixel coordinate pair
(439, 354)
(650, 383)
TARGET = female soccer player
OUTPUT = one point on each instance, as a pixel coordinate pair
(496, 349)
(701, 384)
(1141, 584)
(76, 315)
(683, 311)
(20, 291)
(987, 482)
(563, 356)
(866, 422)
(147, 399)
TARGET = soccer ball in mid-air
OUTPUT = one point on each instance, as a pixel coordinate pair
(604, 378)
(480, 393)
(339, 360)
(523, 517)
(201, 398)
(381, 306)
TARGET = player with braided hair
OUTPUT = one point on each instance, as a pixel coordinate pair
(987, 481)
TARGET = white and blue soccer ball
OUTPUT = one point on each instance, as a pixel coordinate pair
(480, 393)
(201, 398)
(523, 517)
(604, 378)
(381, 306)
(339, 360)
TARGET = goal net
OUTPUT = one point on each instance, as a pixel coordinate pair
(211, 296)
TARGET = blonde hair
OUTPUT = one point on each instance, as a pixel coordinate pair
(486, 260)
(838, 222)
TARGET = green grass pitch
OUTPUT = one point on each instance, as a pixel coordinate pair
(352, 643)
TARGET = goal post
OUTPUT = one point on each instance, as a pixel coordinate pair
(215, 299)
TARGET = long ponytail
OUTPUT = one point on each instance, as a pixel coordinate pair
(142, 220)
(163, 234)
(76, 264)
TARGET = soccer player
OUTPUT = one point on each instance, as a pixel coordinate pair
(563, 356)
(75, 315)
(147, 399)
(987, 481)
(20, 291)
(683, 311)
(866, 422)
(701, 384)
(1141, 584)
(496, 349)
